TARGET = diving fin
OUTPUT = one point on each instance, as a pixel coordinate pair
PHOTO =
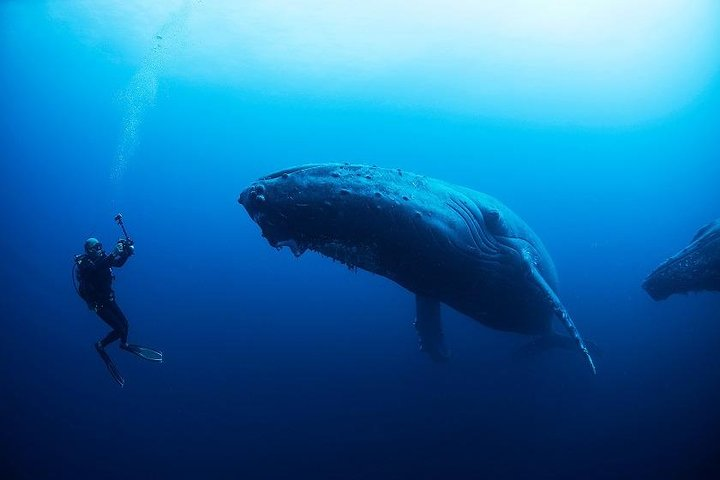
(114, 372)
(144, 352)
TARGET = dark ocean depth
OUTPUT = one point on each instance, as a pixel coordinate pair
(284, 367)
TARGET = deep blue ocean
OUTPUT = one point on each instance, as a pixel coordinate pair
(604, 139)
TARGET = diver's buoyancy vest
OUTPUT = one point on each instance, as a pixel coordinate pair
(86, 288)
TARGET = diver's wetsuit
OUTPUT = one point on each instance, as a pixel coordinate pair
(95, 279)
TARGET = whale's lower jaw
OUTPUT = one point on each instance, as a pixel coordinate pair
(353, 255)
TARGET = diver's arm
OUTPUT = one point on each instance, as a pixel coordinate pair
(105, 262)
(120, 259)
(122, 252)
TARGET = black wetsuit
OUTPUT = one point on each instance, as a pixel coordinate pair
(94, 275)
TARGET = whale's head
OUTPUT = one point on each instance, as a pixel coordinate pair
(294, 207)
(694, 268)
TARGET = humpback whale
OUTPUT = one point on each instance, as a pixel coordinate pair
(694, 268)
(444, 243)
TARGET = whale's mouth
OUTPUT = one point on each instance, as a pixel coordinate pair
(294, 246)
(279, 236)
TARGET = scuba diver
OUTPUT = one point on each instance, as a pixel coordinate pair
(93, 274)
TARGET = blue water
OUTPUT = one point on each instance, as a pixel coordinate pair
(277, 367)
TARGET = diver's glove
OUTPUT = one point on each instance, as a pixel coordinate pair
(124, 247)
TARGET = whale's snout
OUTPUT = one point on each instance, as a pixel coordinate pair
(254, 194)
(253, 199)
(282, 186)
(695, 268)
(272, 203)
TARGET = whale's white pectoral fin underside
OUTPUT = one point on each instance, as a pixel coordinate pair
(560, 311)
(428, 324)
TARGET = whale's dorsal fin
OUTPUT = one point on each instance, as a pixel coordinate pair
(559, 310)
(428, 324)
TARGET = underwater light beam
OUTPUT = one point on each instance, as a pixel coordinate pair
(593, 63)
(141, 92)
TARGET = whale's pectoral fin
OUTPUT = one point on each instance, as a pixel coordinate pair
(553, 340)
(428, 325)
(560, 311)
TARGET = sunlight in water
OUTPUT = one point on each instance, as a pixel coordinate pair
(596, 62)
(140, 94)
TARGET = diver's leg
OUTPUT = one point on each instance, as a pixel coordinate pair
(120, 321)
(122, 329)
(114, 372)
(119, 330)
(111, 314)
(108, 339)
